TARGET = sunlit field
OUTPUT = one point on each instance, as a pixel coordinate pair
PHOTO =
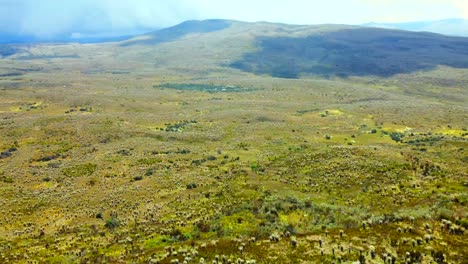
(165, 153)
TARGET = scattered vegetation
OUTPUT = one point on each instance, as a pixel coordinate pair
(210, 88)
(80, 170)
(112, 223)
(178, 127)
(7, 153)
(103, 168)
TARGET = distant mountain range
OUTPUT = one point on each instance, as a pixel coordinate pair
(281, 50)
(69, 37)
(451, 27)
(8, 38)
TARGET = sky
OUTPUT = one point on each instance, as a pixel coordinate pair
(80, 18)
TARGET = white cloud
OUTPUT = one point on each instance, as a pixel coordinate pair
(463, 7)
(48, 18)
(411, 10)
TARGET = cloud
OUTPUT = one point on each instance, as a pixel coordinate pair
(49, 18)
(463, 7)
(414, 10)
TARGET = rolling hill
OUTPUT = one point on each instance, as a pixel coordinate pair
(328, 50)
(278, 50)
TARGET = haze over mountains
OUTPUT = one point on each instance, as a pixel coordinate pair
(69, 37)
(452, 27)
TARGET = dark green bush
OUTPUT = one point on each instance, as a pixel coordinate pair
(191, 186)
(112, 223)
(138, 178)
(80, 170)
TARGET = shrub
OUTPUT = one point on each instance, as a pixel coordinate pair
(124, 152)
(112, 223)
(149, 161)
(463, 223)
(7, 179)
(138, 178)
(397, 137)
(177, 235)
(92, 181)
(80, 170)
(191, 186)
(198, 162)
(203, 226)
(254, 166)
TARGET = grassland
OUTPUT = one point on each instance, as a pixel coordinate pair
(158, 153)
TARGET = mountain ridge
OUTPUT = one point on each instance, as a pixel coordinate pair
(292, 51)
(187, 27)
(281, 50)
(450, 26)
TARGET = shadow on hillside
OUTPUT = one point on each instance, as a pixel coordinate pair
(355, 52)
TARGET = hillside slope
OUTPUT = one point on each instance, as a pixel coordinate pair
(178, 31)
(355, 52)
(291, 51)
